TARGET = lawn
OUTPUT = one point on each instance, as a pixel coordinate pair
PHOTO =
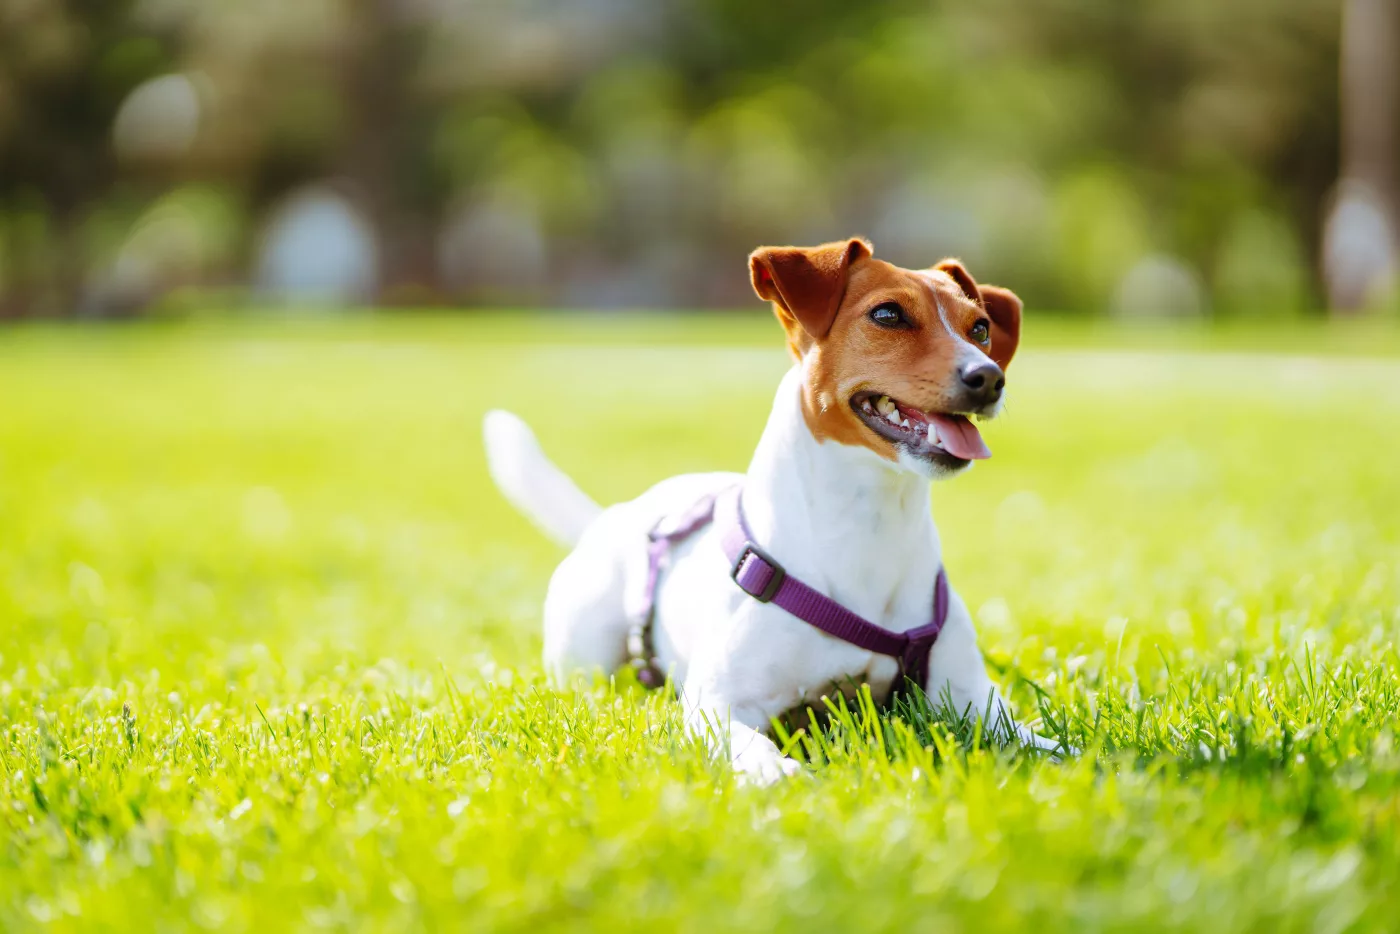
(269, 639)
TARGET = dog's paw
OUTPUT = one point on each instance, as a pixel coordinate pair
(759, 766)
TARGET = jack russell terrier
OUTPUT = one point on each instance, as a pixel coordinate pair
(820, 567)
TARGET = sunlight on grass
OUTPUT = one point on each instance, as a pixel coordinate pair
(268, 645)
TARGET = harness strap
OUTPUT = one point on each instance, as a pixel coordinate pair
(641, 646)
(760, 576)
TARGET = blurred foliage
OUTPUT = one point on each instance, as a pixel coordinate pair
(630, 152)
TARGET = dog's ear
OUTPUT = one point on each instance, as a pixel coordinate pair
(1002, 306)
(959, 274)
(805, 284)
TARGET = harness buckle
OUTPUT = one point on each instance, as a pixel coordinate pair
(775, 581)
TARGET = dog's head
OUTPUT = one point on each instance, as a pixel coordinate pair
(894, 360)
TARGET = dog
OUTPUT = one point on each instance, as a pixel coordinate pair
(889, 363)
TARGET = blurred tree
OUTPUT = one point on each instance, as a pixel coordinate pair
(65, 68)
(1362, 249)
(632, 151)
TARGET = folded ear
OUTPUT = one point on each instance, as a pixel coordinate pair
(1002, 306)
(805, 284)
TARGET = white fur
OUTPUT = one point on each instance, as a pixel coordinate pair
(843, 520)
(533, 485)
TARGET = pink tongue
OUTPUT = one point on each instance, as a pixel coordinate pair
(960, 437)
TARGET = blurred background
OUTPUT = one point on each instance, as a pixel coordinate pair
(1168, 158)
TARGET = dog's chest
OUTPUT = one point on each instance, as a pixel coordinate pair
(815, 707)
(810, 669)
(785, 666)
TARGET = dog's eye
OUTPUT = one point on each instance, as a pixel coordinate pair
(889, 315)
(981, 333)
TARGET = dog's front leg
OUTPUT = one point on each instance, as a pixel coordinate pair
(724, 728)
(956, 670)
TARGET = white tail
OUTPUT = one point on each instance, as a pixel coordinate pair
(532, 483)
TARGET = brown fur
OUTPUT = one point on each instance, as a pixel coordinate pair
(1002, 306)
(805, 285)
(822, 297)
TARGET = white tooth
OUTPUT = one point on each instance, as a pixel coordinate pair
(932, 433)
(904, 423)
(866, 406)
(892, 416)
(885, 405)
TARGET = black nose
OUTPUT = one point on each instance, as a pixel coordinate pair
(984, 381)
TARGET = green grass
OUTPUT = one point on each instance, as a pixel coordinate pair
(268, 643)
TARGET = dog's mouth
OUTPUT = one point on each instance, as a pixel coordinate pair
(949, 440)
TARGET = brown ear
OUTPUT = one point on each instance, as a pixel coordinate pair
(806, 283)
(1002, 307)
(959, 274)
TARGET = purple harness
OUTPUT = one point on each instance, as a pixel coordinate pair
(760, 576)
